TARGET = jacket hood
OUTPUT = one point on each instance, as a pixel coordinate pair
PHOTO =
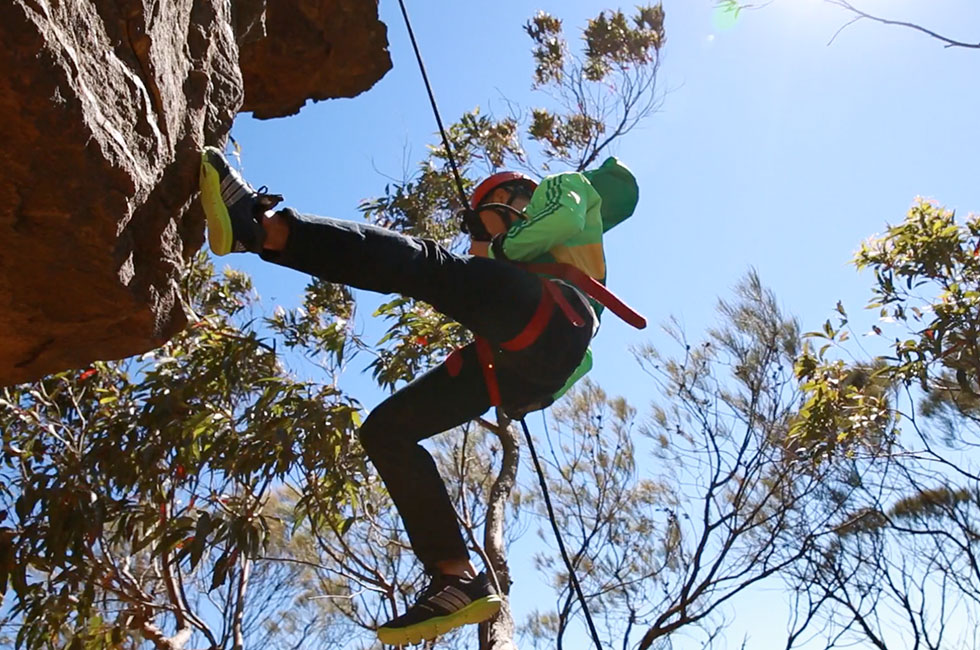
(617, 186)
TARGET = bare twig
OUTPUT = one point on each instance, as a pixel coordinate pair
(860, 15)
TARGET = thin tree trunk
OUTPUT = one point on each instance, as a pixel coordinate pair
(240, 605)
(498, 632)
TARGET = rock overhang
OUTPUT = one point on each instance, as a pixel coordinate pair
(105, 107)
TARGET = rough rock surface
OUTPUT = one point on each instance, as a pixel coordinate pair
(319, 59)
(105, 104)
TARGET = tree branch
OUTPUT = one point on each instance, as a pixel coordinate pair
(949, 42)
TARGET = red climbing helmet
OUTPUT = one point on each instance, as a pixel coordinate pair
(491, 183)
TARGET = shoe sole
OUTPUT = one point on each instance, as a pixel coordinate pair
(219, 221)
(476, 612)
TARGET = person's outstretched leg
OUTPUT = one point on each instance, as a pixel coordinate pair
(490, 298)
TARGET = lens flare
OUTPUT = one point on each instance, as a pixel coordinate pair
(726, 14)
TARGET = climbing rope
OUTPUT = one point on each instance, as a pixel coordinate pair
(435, 107)
(527, 433)
(561, 544)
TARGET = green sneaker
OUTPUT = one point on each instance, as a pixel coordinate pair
(447, 603)
(232, 207)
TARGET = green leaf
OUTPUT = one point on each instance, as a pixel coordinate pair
(220, 573)
(828, 329)
(346, 525)
(201, 532)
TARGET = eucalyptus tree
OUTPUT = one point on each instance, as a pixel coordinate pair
(902, 428)
(132, 492)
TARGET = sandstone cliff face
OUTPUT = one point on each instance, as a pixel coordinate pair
(316, 49)
(104, 105)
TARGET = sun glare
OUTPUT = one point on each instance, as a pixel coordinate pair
(728, 13)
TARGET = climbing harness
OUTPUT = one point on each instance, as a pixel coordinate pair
(551, 296)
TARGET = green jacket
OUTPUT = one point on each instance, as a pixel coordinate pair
(565, 221)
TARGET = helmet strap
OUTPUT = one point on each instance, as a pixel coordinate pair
(471, 224)
(509, 213)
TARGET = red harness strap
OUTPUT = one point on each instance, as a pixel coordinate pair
(535, 326)
(484, 353)
(454, 362)
(593, 288)
(550, 296)
(570, 313)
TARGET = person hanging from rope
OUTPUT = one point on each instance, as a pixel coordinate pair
(532, 331)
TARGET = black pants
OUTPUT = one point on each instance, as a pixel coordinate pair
(492, 299)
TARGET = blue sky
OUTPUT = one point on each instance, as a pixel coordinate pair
(773, 150)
